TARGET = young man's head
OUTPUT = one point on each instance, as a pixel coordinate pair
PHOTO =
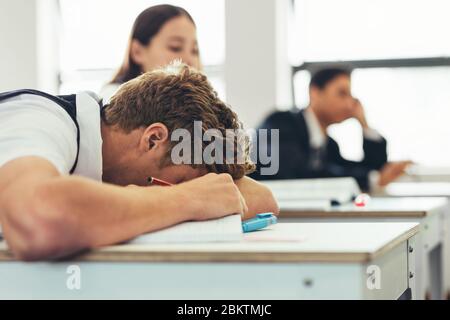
(330, 95)
(142, 116)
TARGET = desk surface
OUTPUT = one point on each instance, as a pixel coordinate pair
(420, 173)
(377, 208)
(285, 242)
(339, 189)
(417, 189)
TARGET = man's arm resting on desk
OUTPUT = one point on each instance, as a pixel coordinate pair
(46, 215)
(258, 197)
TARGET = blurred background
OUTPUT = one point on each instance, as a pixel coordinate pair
(259, 55)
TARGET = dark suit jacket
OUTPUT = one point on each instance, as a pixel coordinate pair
(295, 152)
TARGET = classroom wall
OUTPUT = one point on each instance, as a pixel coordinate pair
(257, 80)
(29, 51)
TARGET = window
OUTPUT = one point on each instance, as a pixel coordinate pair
(95, 33)
(398, 51)
(328, 30)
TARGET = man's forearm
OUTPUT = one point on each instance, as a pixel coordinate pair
(46, 215)
(68, 214)
(105, 214)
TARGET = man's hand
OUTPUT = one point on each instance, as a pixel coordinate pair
(211, 196)
(391, 171)
(258, 197)
(359, 114)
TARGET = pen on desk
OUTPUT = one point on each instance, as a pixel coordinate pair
(157, 182)
(261, 221)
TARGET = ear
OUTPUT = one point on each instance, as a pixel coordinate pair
(154, 138)
(137, 51)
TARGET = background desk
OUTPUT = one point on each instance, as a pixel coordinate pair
(418, 173)
(331, 261)
(426, 189)
(431, 244)
(416, 189)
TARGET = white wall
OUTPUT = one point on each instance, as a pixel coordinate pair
(28, 54)
(257, 72)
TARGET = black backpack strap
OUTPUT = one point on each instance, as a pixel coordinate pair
(67, 102)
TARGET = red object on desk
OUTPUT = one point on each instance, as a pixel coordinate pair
(157, 182)
(362, 200)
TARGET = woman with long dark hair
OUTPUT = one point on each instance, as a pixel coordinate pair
(160, 34)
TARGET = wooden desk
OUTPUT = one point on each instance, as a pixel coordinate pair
(340, 189)
(379, 207)
(427, 189)
(308, 261)
(431, 244)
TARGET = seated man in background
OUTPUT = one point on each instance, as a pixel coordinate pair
(307, 151)
(46, 212)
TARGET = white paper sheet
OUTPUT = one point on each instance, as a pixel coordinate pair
(227, 229)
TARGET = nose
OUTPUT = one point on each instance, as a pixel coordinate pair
(189, 59)
(189, 62)
(186, 59)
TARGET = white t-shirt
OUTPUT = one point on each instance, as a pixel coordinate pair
(32, 125)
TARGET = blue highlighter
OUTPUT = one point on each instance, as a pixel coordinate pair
(261, 221)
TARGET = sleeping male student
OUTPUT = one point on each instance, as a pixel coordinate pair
(56, 151)
(307, 151)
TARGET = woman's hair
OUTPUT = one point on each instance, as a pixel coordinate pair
(145, 27)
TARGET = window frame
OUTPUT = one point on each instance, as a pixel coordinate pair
(352, 65)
